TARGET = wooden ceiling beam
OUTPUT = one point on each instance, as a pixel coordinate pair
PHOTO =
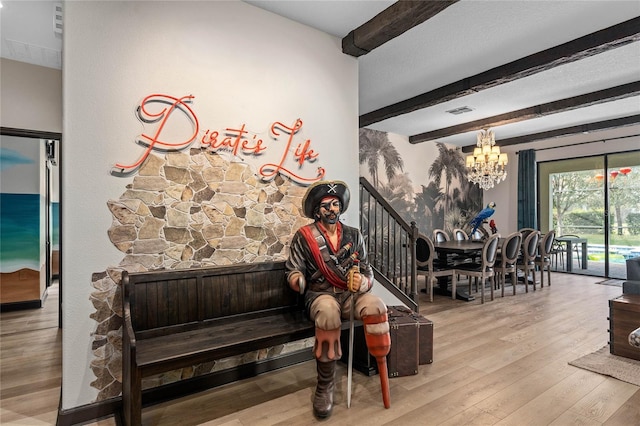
(567, 131)
(580, 48)
(537, 111)
(390, 23)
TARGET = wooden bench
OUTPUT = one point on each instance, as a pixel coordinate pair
(178, 318)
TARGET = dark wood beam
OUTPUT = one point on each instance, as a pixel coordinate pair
(566, 131)
(537, 111)
(390, 23)
(580, 48)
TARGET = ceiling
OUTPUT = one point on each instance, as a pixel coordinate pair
(418, 60)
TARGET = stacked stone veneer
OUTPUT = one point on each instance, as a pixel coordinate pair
(188, 210)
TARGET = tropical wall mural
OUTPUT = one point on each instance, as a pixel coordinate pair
(426, 183)
(20, 220)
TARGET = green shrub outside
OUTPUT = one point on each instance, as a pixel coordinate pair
(579, 221)
(633, 223)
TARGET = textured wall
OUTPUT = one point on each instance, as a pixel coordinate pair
(188, 210)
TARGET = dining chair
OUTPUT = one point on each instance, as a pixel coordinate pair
(506, 260)
(543, 259)
(483, 271)
(526, 260)
(440, 235)
(425, 255)
(557, 252)
(460, 234)
(525, 232)
(481, 234)
(574, 247)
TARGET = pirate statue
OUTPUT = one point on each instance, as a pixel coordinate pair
(328, 264)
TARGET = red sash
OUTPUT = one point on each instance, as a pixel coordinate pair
(318, 247)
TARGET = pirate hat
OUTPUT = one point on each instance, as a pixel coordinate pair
(317, 191)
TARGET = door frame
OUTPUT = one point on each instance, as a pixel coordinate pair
(38, 134)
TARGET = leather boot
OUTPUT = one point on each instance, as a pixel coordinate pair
(323, 398)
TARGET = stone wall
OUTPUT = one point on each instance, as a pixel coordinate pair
(188, 210)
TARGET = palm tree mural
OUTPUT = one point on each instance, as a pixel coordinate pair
(399, 193)
(442, 199)
(375, 146)
(449, 164)
(425, 206)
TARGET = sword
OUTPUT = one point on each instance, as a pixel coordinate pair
(352, 271)
(350, 365)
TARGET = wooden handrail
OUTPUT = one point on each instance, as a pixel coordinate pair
(391, 244)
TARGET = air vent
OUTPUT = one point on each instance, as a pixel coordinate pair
(461, 110)
(57, 18)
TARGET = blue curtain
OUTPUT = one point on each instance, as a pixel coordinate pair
(527, 189)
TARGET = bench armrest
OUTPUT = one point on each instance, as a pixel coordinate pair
(128, 334)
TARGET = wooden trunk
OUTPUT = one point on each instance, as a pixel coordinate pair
(624, 317)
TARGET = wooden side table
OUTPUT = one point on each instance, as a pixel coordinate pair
(624, 317)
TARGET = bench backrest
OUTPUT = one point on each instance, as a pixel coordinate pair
(160, 301)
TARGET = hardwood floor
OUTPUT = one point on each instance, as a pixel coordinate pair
(31, 364)
(501, 363)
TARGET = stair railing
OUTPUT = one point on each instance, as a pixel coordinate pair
(391, 244)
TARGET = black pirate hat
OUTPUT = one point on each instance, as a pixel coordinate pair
(324, 188)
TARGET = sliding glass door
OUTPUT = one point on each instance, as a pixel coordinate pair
(593, 204)
(623, 190)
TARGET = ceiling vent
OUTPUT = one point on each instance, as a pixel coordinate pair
(57, 18)
(461, 110)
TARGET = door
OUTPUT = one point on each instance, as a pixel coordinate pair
(592, 203)
(623, 190)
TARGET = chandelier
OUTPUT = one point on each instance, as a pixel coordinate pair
(486, 166)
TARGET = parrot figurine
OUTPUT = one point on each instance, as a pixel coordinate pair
(484, 214)
(492, 225)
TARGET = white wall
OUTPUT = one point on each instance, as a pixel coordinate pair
(31, 96)
(242, 64)
(505, 194)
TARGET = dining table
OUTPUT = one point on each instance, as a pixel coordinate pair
(445, 249)
(569, 242)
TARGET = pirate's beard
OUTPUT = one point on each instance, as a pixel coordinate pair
(329, 218)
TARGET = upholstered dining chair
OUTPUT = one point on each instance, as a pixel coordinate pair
(425, 254)
(543, 259)
(526, 261)
(440, 235)
(507, 259)
(482, 271)
(481, 234)
(460, 234)
(525, 232)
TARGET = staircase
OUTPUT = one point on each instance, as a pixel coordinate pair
(391, 245)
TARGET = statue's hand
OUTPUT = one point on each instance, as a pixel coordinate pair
(354, 279)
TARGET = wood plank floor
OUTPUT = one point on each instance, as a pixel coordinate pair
(504, 362)
(31, 364)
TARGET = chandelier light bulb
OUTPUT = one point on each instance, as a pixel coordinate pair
(486, 167)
